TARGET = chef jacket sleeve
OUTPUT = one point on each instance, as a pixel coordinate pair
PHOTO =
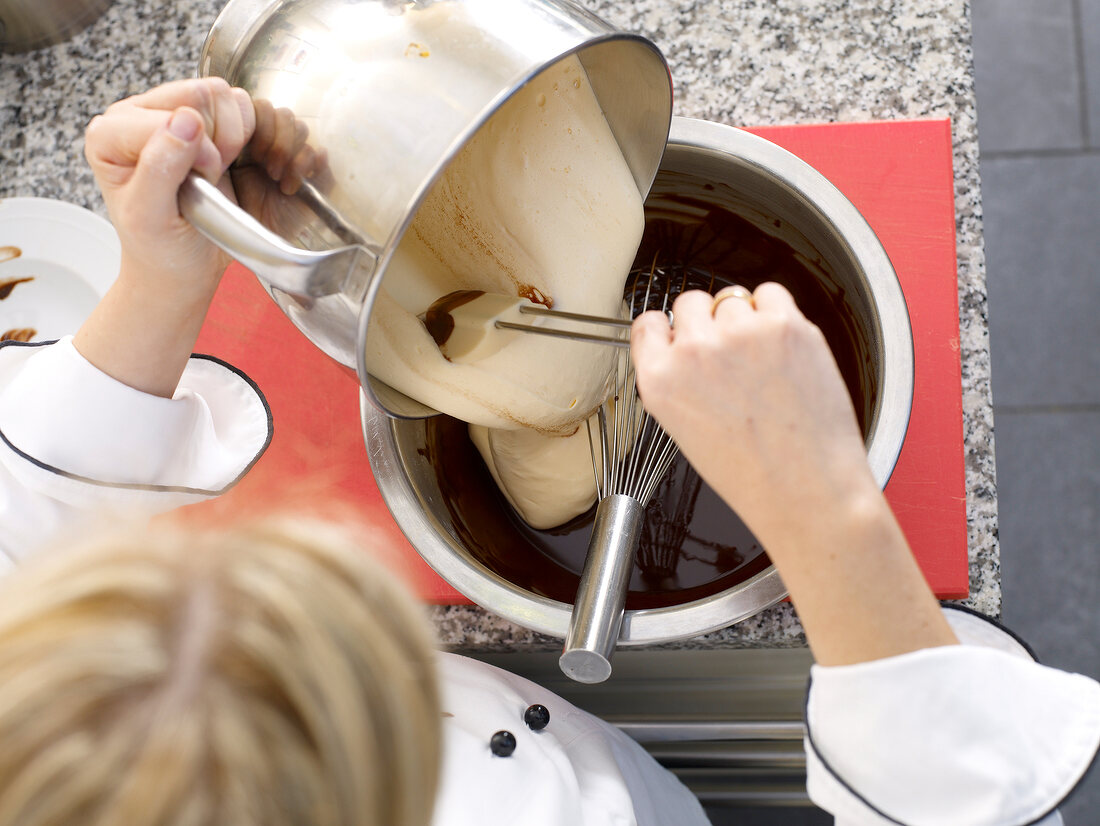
(77, 444)
(977, 734)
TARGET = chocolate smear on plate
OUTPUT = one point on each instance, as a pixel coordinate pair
(19, 334)
(7, 286)
(8, 253)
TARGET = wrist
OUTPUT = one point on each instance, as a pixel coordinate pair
(142, 332)
(162, 285)
(854, 582)
(790, 500)
(844, 515)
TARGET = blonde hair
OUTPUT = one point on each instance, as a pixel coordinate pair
(268, 675)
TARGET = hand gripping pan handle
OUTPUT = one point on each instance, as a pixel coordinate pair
(302, 272)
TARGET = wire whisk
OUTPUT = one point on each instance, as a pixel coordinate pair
(631, 453)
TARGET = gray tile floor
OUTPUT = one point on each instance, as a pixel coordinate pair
(1037, 65)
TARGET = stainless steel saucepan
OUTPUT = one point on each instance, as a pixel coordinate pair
(388, 92)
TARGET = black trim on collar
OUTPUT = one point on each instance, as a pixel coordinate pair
(11, 342)
(880, 813)
(155, 488)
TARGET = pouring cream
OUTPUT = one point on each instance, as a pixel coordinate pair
(540, 204)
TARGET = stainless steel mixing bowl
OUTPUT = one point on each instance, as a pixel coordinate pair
(762, 182)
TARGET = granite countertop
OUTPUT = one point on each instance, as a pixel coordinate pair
(740, 62)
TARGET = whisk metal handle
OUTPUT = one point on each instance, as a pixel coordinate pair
(598, 608)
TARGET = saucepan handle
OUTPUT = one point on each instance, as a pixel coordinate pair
(301, 272)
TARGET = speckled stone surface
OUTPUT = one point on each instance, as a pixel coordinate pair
(740, 62)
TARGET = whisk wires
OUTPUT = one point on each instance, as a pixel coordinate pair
(636, 452)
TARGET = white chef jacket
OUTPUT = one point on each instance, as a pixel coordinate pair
(76, 446)
(961, 735)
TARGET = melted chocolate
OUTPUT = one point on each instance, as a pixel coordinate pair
(7, 286)
(19, 334)
(535, 296)
(692, 544)
(438, 319)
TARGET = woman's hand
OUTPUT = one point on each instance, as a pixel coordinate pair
(278, 160)
(141, 150)
(748, 388)
(280, 146)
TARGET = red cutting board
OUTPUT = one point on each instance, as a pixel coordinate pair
(898, 174)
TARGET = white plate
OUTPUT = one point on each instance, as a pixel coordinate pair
(73, 256)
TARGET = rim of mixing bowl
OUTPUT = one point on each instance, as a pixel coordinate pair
(689, 619)
(494, 593)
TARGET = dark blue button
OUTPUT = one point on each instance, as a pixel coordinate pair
(537, 717)
(503, 744)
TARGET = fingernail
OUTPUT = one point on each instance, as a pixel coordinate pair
(185, 125)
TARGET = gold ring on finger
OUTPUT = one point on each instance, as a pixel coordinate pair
(735, 291)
